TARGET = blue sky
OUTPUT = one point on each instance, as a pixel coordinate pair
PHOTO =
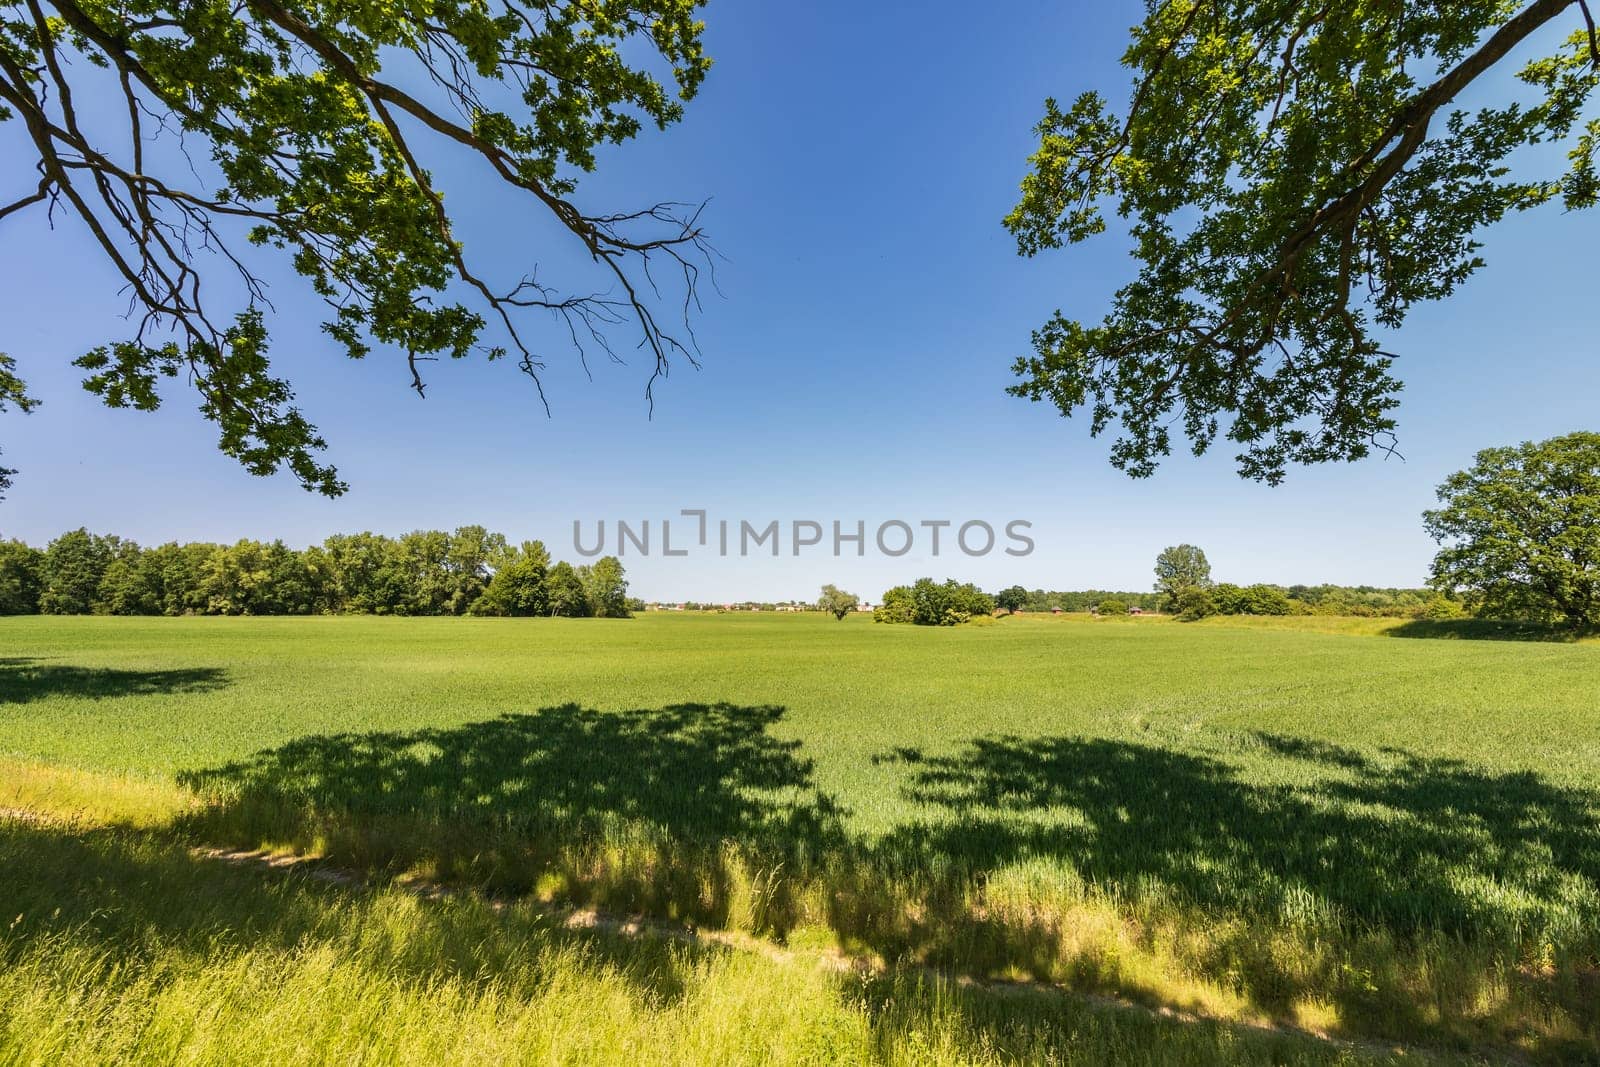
(858, 159)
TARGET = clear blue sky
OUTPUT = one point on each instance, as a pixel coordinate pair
(858, 160)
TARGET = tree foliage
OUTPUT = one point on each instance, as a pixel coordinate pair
(21, 578)
(1296, 179)
(1011, 599)
(1180, 568)
(520, 583)
(1259, 599)
(1520, 530)
(312, 130)
(13, 394)
(929, 603)
(605, 588)
(425, 572)
(1194, 603)
(564, 588)
(837, 602)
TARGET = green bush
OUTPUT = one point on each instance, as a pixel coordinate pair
(930, 603)
(897, 606)
(1112, 607)
(1257, 599)
(1195, 603)
(1442, 607)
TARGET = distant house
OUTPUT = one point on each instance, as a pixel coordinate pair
(1055, 611)
(1135, 611)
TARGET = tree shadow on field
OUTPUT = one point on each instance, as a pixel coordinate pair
(1487, 630)
(25, 678)
(132, 897)
(662, 811)
(1392, 847)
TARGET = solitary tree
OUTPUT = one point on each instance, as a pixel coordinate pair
(1297, 177)
(1180, 568)
(837, 601)
(315, 130)
(1011, 600)
(1520, 530)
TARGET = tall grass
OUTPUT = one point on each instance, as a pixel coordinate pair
(119, 947)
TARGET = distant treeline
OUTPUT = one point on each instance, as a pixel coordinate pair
(1086, 599)
(1264, 599)
(428, 572)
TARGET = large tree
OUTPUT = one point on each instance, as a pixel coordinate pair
(1296, 177)
(1180, 568)
(1520, 530)
(188, 138)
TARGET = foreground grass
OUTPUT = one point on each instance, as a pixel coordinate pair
(1366, 836)
(121, 947)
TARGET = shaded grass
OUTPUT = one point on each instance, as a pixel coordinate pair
(24, 678)
(1097, 864)
(126, 949)
(1489, 630)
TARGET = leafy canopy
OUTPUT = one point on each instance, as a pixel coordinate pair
(309, 128)
(1012, 599)
(1520, 530)
(1180, 568)
(1295, 179)
(837, 602)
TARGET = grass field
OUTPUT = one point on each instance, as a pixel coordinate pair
(1304, 823)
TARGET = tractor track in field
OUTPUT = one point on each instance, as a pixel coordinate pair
(593, 920)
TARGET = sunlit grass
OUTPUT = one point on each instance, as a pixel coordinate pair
(119, 947)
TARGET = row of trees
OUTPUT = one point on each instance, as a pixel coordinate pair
(1184, 587)
(426, 572)
(930, 603)
(1519, 537)
(1016, 598)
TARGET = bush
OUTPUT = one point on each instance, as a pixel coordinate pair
(1232, 599)
(1442, 607)
(1195, 603)
(1112, 607)
(897, 606)
(931, 603)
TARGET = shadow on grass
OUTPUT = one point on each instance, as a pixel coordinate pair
(641, 810)
(24, 679)
(136, 899)
(1421, 898)
(1377, 854)
(134, 919)
(1401, 841)
(1486, 630)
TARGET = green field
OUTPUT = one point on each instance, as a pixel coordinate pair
(1368, 836)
